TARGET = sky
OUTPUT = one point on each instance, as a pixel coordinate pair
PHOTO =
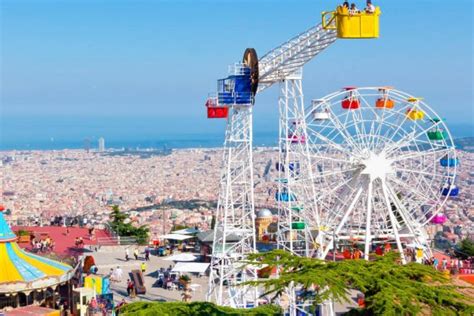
(115, 68)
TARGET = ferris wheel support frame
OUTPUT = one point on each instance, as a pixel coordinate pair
(235, 216)
(299, 179)
(299, 182)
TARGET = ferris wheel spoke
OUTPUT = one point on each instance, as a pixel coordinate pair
(418, 154)
(342, 128)
(405, 143)
(422, 172)
(399, 123)
(331, 143)
(422, 181)
(333, 190)
(405, 215)
(370, 141)
(336, 172)
(406, 186)
(327, 158)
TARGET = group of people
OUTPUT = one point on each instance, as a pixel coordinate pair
(167, 280)
(370, 8)
(43, 245)
(453, 265)
(116, 274)
(136, 254)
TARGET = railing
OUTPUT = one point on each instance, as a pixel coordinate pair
(329, 24)
(116, 241)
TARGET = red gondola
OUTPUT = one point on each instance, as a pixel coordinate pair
(215, 111)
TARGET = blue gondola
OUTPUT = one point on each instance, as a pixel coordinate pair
(450, 190)
(449, 162)
(285, 197)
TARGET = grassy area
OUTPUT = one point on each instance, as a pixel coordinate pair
(194, 309)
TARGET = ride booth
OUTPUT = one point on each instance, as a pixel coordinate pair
(99, 286)
(234, 90)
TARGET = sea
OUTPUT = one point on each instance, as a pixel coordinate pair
(48, 134)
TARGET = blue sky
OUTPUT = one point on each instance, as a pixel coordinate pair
(149, 65)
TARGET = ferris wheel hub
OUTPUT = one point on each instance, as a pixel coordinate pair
(377, 166)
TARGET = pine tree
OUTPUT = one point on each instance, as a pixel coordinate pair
(390, 288)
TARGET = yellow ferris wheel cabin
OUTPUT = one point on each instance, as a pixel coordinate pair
(352, 24)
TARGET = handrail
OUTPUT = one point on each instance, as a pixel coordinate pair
(330, 23)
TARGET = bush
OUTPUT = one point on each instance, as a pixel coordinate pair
(23, 232)
(194, 309)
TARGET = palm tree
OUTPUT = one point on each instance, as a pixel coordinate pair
(186, 281)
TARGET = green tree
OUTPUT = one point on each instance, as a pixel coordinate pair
(390, 288)
(123, 229)
(194, 309)
(465, 248)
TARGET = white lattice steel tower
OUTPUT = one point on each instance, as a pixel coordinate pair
(234, 233)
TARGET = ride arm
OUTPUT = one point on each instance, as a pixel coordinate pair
(288, 58)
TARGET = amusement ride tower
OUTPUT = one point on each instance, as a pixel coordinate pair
(298, 215)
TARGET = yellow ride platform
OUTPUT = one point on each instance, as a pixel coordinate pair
(352, 25)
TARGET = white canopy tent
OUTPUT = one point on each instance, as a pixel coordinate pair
(193, 267)
(182, 257)
(186, 231)
(178, 237)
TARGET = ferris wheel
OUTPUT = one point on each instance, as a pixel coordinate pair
(384, 163)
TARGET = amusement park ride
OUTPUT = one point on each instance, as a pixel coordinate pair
(344, 162)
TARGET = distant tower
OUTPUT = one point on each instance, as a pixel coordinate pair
(101, 144)
(87, 144)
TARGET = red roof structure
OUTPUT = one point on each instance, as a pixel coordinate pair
(64, 242)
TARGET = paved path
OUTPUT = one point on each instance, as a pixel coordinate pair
(108, 260)
(105, 260)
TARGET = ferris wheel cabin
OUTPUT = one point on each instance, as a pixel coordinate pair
(350, 102)
(352, 25)
(384, 102)
(449, 162)
(450, 190)
(319, 114)
(439, 219)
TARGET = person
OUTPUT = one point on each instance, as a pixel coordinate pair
(135, 253)
(119, 274)
(129, 287)
(346, 4)
(370, 8)
(119, 306)
(143, 267)
(435, 263)
(147, 253)
(353, 9)
(444, 264)
(126, 254)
